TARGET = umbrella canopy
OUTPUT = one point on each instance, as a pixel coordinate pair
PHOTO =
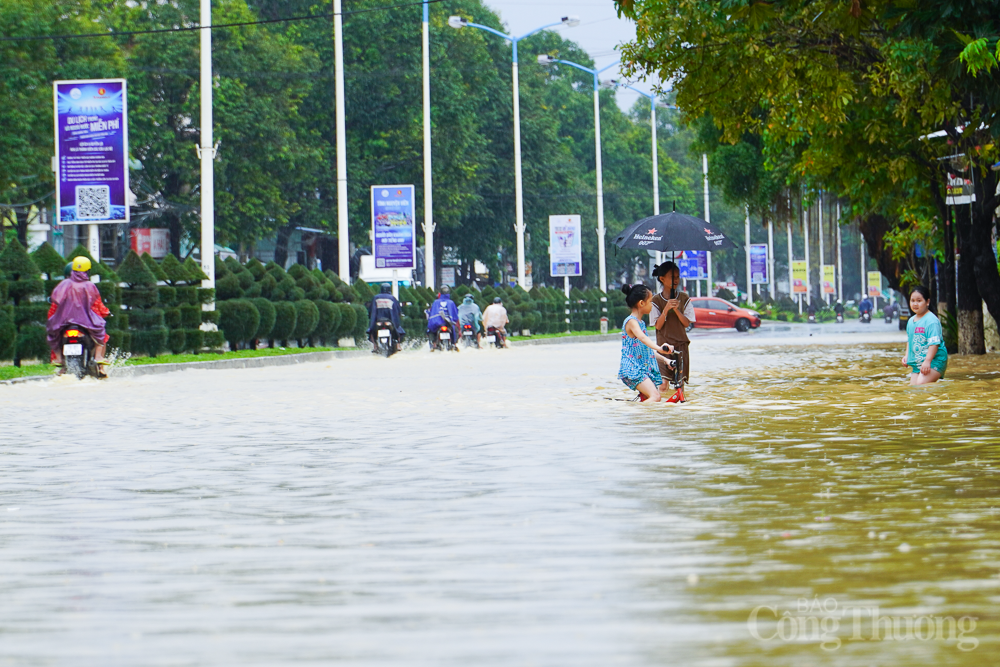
(672, 232)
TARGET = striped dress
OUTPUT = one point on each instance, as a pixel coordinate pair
(638, 362)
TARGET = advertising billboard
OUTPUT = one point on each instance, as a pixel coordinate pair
(565, 247)
(874, 283)
(758, 264)
(91, 145)
(800, 274)
(829, 279)
(393, 242)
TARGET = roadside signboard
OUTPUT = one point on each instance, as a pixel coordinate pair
(829, 279)
(694, 265)
(91, 145)
(155, 242)
(874, 283)
(393, 242)
(960, 190)
(758, 264)
(565, 248)
(799, 277)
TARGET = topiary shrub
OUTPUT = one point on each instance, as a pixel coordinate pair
(244, 277)
(119, 340)
(146, 318)
(306, 319)
(194, 339)
(364, 292)
(267, 316)
(297, 271)
(22, 281)
(149, 341)
(167, 295)
(206, 295)
(255, 268)
(360, 323)
(238, 320)
(177, 341)
(329, 320)
(154, 267)
(175, 273)
(348, 317)
(211, 316)
(213, 340)
(253, 291)
(284, 321)
(172, 318)
(267, 285)
(187, 294)
(8, 334)
(49, 261)
(228, 287)
(295, 294)
(195, 274)
(190, 316)
(134, 271)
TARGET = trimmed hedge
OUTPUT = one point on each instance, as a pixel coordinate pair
(238, 320)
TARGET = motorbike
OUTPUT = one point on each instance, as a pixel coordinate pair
(495, 337)
(865, 318)
(469, 336)
(441, 339)
(78, 352)
(840, 318)
(811, 319)
(387, 340)
(888, 318)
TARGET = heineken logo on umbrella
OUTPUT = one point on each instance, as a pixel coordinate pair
(673, 232)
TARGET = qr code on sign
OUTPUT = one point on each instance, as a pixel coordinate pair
(93, 202)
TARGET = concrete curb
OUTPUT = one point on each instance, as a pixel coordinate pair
(595, 338)
(215, 364)
(285, 360)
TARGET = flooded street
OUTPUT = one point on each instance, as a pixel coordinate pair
(494, 508)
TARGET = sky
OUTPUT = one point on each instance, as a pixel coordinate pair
(599, 32)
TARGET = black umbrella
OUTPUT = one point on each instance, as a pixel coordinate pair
(673, 232)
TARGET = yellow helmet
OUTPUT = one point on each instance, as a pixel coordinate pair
(81, 264)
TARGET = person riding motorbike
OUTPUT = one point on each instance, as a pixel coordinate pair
(443, 312)
(384, 308)
(496, 316)
(838, 308)
(865, 306)
(77, 301)
(469, 313)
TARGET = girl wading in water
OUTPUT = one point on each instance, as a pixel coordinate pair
(671, 314)
(925, 352)
(638, 368)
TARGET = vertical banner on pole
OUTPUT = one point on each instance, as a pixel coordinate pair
(829, 279)
(91, 144)
(874, 284)
(393, 243)
(565, 248)
(758, 264)
(799, 277)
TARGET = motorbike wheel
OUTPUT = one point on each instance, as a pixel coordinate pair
(386, 348)
(74, 366)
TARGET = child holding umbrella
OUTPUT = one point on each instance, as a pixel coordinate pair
(671, 314)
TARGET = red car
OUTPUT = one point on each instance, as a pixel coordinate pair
(715, 313)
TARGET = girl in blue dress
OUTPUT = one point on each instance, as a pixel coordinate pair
(638, 369)
(925, 351)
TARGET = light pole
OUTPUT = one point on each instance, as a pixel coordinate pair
(656, 169)
(569, 21)
(549, 60)
(429, 277)
(206, 152)
(343, 242)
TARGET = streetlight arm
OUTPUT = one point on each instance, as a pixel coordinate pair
(529, 34)
(614, 64)
(491, 30)
(572, 64)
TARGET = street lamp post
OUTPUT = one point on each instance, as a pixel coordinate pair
(656, 170)
(459, 22)
(429, 277)
(548, 60)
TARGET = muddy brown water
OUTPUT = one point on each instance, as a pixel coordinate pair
(494, 508)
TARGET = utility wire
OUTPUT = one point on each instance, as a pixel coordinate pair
(324, 15)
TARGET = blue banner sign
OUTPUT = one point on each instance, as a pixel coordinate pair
(91, 120)
(694, 265)
(392, 227)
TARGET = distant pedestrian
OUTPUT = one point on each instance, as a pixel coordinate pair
(638, 368)
(925, 351)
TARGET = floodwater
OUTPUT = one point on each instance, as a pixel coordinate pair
(494, 508)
